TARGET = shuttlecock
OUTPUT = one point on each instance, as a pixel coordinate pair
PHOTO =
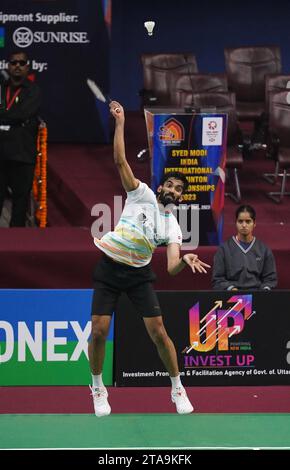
(149, 25)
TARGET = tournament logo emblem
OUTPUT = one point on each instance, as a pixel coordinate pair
(171, 132)
(212, 125)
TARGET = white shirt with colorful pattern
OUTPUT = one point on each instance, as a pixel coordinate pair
(144, 224)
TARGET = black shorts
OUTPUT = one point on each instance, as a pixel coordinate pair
(111, 279)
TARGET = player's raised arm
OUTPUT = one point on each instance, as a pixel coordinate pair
(128, 179)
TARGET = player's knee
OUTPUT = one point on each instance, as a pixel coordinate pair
(98, 334)
(99, 331)
(159, 336)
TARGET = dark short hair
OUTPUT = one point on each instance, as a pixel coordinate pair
(177, 175)
(18, 51)
(246, 208)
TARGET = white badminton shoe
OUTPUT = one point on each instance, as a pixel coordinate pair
(100, 398)
(182, 403)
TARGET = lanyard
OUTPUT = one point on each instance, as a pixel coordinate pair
(11, 101)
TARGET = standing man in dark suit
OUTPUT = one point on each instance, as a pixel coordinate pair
(19, 112)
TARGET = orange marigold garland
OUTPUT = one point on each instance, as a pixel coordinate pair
(40, 177)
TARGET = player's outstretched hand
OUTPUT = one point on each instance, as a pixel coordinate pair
(195, 263)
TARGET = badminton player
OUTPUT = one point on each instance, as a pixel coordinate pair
(145, 223)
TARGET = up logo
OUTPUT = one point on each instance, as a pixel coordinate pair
(218, 325)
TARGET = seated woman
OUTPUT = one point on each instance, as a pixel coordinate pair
(243, 262)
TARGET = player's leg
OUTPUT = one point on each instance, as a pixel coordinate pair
(103, 305)
(146, 302)
(97, 344)
(167, 353)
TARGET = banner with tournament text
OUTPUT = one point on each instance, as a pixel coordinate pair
(195, 145)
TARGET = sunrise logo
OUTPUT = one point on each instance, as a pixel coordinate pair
(2, 37)
(171, 132)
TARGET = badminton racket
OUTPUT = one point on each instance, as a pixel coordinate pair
(95, 89)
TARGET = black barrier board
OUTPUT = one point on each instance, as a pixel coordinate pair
(221, 338)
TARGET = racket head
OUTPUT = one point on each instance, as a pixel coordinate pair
(96, 90)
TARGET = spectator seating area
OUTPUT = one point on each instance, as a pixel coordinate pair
(81, 176)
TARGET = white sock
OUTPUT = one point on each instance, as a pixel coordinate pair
(98, 380)
(176, 382)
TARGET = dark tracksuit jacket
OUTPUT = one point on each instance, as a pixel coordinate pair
(253, 268)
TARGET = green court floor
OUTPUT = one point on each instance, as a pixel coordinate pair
(196, 431)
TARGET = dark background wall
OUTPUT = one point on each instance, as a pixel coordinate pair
(68, 106)
(201, 27)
